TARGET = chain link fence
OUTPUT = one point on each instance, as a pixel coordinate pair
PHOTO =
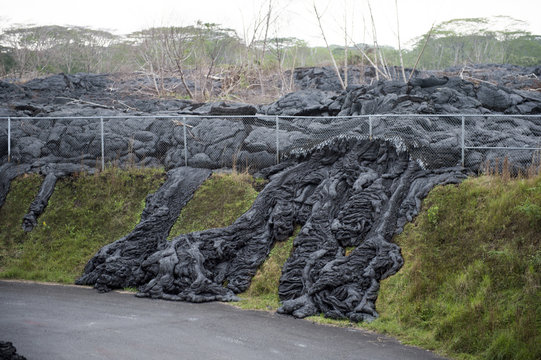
(256, 142)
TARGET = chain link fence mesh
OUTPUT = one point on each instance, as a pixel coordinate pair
(480, 142)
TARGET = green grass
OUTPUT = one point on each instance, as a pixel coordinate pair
(84, 213)
(217, 203)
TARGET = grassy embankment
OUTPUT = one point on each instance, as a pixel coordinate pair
(84, 213)
(87, 212)
(470, 287)
(471, 282)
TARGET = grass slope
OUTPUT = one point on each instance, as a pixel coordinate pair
(471, 281)
(217, 203)
(84, 213)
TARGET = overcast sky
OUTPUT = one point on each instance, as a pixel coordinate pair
(296, 17)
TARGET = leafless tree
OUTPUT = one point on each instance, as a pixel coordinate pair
(176, 45)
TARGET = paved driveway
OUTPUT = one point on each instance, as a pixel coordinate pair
(69, 322)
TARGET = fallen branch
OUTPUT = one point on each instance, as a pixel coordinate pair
(369, 60)
(79, 101)
(125, 105)
(180, 123)
(470, 78)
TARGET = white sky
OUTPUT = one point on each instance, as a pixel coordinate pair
(296, 16)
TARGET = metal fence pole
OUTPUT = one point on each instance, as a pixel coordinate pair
(9, 139)
(102, 146)
(277, 141)
(185, 142)
(462, 143)
(370, 127)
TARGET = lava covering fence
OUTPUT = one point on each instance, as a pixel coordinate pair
(255, 142)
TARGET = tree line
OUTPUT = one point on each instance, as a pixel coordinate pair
(203, 53)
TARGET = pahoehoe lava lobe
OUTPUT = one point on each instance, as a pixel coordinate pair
(118, 264)
(345, 193)
(52, 173)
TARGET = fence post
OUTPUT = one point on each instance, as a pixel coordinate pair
(102, 146)
(370, 128)
(277, 141)
(462, 142)
(185, 143)
(9, 139)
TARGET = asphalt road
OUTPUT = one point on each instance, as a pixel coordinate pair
(69, 322)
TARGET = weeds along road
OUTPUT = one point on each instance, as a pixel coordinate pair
(68, 322)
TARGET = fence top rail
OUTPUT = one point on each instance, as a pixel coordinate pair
(259, 116)
(501, 148)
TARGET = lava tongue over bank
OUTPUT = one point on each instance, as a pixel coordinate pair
(346, 193)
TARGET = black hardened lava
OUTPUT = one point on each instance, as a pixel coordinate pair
(119, 264)
(52, 173)
(346, 193)
(9, 352)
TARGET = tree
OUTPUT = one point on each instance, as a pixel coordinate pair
(285, 50)
(52, 48)
(7, 62)
(189, 52)
(477, 40)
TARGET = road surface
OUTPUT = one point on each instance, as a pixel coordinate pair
(70, 322)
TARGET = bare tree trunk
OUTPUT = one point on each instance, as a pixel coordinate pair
(374, 38)
(345, 49)
(328, 48)
(154, 79)
(399, 46)
(440, 57)
(291, 82)
(261, 62)
(183, 78)
(421, 53)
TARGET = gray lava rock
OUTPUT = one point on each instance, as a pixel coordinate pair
(264, 139)
(3, 146)
(323, 78)
(304, 102)
(201, 160)
(232, 109)
(493, 98)
(255, 160)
